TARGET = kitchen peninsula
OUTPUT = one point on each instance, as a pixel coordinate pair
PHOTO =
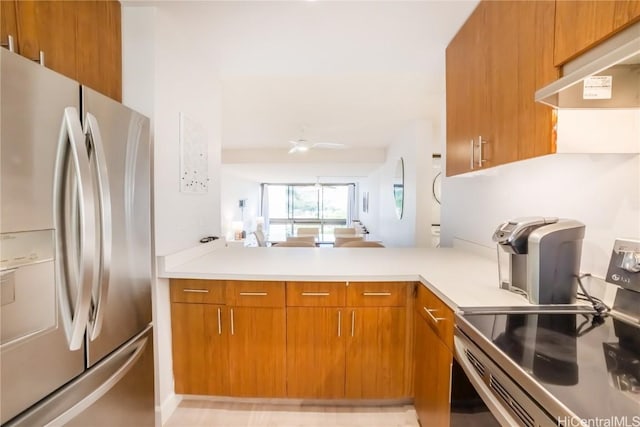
(324, 323)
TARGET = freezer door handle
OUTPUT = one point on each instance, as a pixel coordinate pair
(103, 265)
(102, 389)
(75, 259)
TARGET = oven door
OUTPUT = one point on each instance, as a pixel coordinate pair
(467, 407)
(507, 403)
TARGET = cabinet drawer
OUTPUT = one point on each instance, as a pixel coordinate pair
(197, 291)
(377, 294)
(255, 294)
(316, 294)
(436, 313)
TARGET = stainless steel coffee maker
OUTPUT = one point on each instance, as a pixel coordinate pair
(544, 257)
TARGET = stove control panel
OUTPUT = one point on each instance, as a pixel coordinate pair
(624, 266)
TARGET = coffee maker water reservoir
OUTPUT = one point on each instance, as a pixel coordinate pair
(544, 259)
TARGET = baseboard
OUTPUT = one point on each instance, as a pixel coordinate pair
(167, 408)
(289, 401)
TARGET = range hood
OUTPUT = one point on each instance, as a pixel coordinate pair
(607, 76)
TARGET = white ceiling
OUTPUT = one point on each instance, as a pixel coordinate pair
(353, 72)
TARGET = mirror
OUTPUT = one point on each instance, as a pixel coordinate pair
(398, 187)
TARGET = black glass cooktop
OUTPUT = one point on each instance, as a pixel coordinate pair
(591, 364)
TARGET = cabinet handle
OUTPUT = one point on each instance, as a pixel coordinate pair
(353, 321)
(376, 294)
(232, 329)
(316, 294)
(196, 291)
(253, 294)
(40, 59)
(472, 158)
(219, 323)
(480, 143)
(9, 44)
(339, 321)
(435, 319)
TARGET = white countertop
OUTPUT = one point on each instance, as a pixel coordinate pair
(460, 278)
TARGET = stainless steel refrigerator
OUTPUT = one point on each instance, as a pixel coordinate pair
(75, 254)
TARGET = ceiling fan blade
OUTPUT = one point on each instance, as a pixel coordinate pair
(329, 145)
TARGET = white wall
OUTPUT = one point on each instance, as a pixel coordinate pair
(165, 74)
(415, 145)
(234, 188)
(600, 190)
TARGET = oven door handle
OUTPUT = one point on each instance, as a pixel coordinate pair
(495, 406)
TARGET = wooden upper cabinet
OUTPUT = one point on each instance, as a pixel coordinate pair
(80, 39)
(584, 23)
(99, 50)
(8, 24)
(494, 64)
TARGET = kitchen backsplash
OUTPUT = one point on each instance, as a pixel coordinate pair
(600, 190)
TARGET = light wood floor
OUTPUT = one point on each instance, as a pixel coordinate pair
(196, 413)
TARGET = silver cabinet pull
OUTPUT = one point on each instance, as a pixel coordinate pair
(219, 323)
(481, 142)
(472, 158)
(232, 328)
(316, 294)
(9, 44)
(196, 291)
(339, 321)
(353, 322)
(253, 294)
(376, 294)
(435, 319)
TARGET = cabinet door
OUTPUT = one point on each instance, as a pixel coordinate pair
(467, 97)
(8, 23)
(99, 50)
(27, 23)
(315, 352)
(200, 349)
(581, 24)
(375, 354)
(257, 349)
(56, 33)
(432, 376)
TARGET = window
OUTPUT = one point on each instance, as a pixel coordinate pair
(291, 206)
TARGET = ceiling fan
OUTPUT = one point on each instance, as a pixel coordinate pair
(302, 145)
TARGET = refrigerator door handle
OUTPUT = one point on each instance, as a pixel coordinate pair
(102, 389)
(72, 158)
(92, 130)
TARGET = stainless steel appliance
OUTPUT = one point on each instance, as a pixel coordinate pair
(544, 257)
(606, 76)
(551, 369)
(558, 365)
(76, 339)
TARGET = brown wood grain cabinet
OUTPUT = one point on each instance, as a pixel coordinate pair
(316, 352)
(347, 340)
(319, 340)
(582, 24)
(228, 337)
(375, 352)
(502, 53)
(8, 24)
(80, 39)
(433, 359)
(200, 356)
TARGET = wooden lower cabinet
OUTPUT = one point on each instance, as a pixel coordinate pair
(375, 358)
(433, 361)
(316, 352)
(257, 349)
(200, 356)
